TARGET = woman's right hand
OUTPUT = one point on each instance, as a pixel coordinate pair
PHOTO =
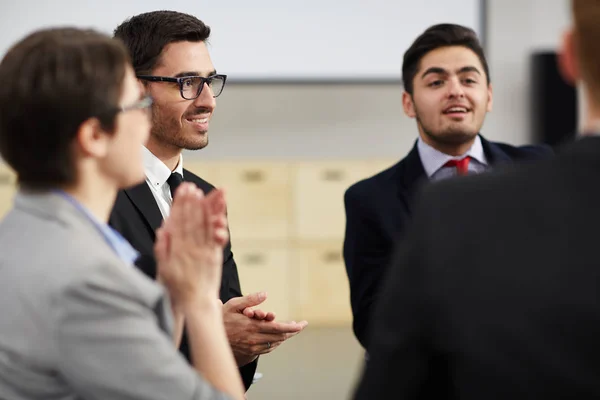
(189, 245)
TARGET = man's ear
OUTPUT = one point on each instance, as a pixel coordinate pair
(568, 64)
(490, 102)
(408, 105)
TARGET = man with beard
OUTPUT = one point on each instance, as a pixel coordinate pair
(447, 90)
(171, 60)
(496, 296)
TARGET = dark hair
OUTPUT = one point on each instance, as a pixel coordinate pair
(436, 36)
(53, 80)
(146, 35)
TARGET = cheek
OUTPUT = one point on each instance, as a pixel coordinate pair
(136, 133)
(433, 101)
(480, 99)
(166, 113)
(428, 107)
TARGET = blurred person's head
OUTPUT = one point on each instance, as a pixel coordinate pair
(579, 59)
(70, 111)
(447, 86)
(168, 44)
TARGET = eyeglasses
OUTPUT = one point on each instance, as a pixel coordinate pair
(142, 104)
(190, 87)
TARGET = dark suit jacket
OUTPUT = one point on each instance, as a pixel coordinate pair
(498, 282)
(137, 216)
(377, 211)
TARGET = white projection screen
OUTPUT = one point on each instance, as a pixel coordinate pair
(272, 40)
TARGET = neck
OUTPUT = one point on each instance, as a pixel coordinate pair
(588, 111)
(167, 154)
(451, 149)
(591, 122)
(96, 195)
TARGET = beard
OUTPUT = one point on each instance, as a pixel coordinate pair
(453, 134)
(168, 131)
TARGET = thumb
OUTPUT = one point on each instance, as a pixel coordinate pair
(249, 300)
(161, 246)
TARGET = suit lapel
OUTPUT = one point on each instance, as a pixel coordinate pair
(144, 201)
(410, 176)
(494, 153)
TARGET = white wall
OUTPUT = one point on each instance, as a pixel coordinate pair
(517, 28)
(310, 39)
(359, 121)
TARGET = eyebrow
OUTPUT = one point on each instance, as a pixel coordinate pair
(442, 71)
(194, 73)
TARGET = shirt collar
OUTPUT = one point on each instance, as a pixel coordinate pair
(115, 240)
(156, 171)
(433, 159)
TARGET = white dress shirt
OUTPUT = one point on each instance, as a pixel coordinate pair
(157, 174)
(433, 160)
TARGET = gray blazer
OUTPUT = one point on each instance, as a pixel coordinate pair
(76, 322)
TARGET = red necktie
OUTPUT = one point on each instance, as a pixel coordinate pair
(462, 166)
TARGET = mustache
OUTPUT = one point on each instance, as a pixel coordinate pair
(198, 111)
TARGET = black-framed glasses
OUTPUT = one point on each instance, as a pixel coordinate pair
(190, 87)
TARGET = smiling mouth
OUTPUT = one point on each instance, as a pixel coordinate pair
(456, 110)
(198, 120)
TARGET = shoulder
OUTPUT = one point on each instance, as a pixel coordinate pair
(201, 183)
(525, 152)
(381, 181)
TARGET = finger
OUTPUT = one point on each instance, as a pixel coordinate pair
(216, 208)
(209, 235)
(280, 327)
(218, 221)
(237, 304)
(260, 314)
(217, 202)
(259, 339)
(291, 335)
(211, 201)
(221, 237)
(270, 316)
(176, 222)
(248, 312)
(265, 348)
(195, 229)
(161, 246)
(261, 342)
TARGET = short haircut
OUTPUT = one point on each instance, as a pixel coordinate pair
(146, 35)
(53, 80)
(436, 36)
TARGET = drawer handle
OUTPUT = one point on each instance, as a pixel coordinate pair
(332, 257)
(334, 175)
(253, 176)
(254, 259)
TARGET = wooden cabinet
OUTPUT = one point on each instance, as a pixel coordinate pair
(287, 224)
(264, 267)
(7, 189)
(318, 198)
(257, 194)
(258, 198)
(321, 291)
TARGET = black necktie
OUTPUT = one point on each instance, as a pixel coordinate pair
(174, 181)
